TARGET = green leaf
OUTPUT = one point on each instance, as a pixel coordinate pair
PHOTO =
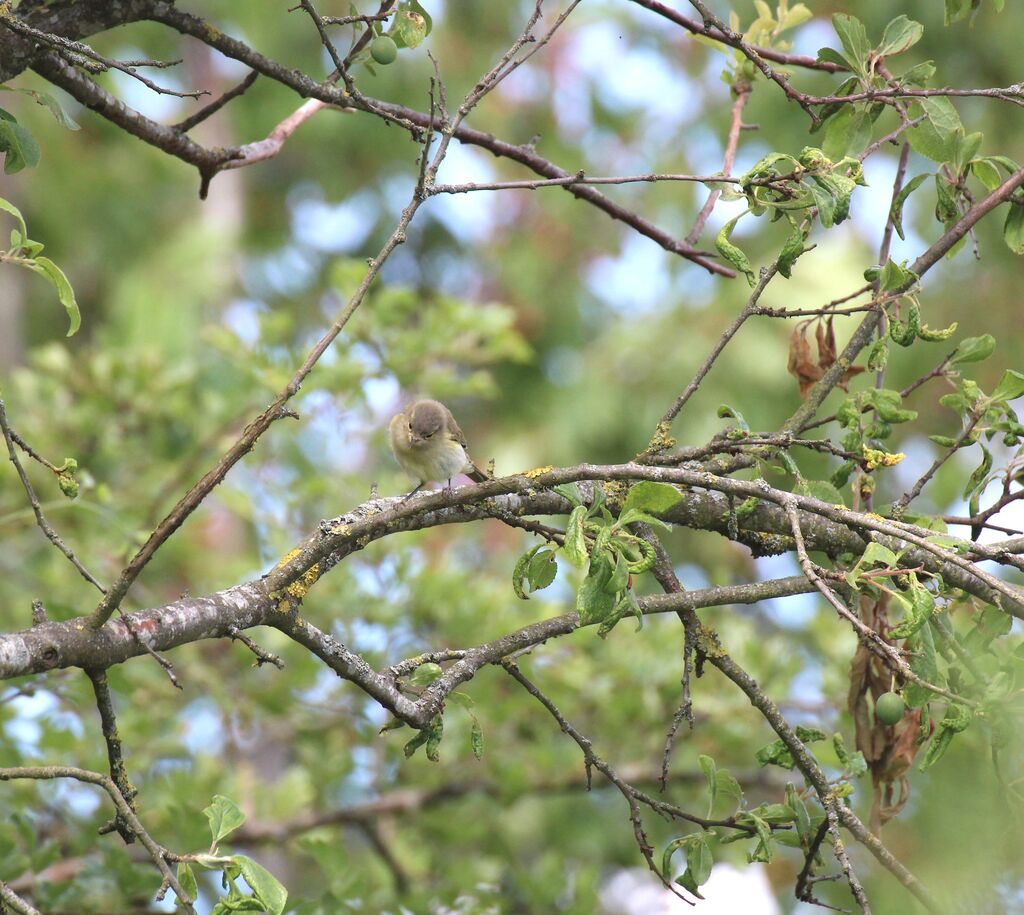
(571, 491)
(9, 207)
(878, 355)
(935, 137)
(837, 132)
(777, 753)
(465, 700)
(839, 189)
(634, 515)
(732, 253)
(593, 602)
(820, 489)
(878, 553)
(775, 814)
(651, 497)
(19, 147)
(670, 850)
(699, 862)
(888, 404)
(791, 250)
(409, 28)
(801, 817)
(575, 546)
(1010, 386)
(977, 478)
(967, 147)
(847, 87)
(957, 719)
(46, 267)
(413, 745)
(763, 850)
(187, 879)
(50, 103)
(905, 334)
(519, 573)
(542, 570)
(896, 213)
(924, 663)
(426, 674)
(974, 349)
(620, 576)
(832, 56)
(935, 335)
(434, 735)
(900, 35)
(726, 786)
(264, 885)
(946, 209)
(986, 173)
(1013, 228)
(896, 277)
(854, 37)
(224, 817)
(825, 202)
(919, 612)
(726, 412)
(958, 9)
(839, 745)
(415, 7)
(710, 770)
(919, 75)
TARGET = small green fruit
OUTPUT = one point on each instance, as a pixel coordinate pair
(383, 49)
(889, 708)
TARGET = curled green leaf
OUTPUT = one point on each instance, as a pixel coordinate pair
(733, 254)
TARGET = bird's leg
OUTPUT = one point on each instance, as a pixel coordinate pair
(416, 490)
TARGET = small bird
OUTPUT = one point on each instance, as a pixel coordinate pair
(429, 445)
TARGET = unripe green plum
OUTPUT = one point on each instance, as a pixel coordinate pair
(889, 708)
(383, 49)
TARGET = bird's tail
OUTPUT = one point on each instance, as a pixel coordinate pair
(476, 474)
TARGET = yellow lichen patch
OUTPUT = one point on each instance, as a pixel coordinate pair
(340, 530)
(288, 557)
(707, 642)
(300, 587)
(662, 439)
(616, 492)
(537, 471)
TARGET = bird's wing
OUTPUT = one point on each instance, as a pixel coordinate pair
(456, 432)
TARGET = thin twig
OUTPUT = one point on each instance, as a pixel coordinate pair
(115, 757)
(76, 51)
(665, 423)
(736, 120)
(592, 760)
(900, 505)
(184, 126)
(37, 510)
(262, 656)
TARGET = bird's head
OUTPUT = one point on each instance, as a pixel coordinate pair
(426, 422)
